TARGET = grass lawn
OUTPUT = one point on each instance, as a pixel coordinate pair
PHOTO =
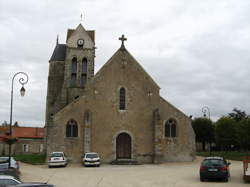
(31, 158)
(230, 155)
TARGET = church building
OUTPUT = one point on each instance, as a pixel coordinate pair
(117, 112)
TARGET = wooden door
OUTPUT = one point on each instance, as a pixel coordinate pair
(123, 146)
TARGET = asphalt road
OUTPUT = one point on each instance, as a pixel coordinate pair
(185, 174)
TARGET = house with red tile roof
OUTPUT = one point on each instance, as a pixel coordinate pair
(30, 140)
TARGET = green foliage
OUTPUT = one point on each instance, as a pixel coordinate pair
(31, 158)
(237, 115)
(204, 130)
(225, 132)
(231, 155)
(243, 133)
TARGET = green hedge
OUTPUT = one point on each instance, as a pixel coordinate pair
(31, 158)
(230, 155)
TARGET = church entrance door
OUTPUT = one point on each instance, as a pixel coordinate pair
(123, 146)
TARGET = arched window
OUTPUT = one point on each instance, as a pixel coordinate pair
(84, 71)
(170, 128)
(73, 71)
(167, 130)
(122, 99)
(71, 129)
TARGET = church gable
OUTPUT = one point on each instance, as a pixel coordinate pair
(124, 63)
(73, 37)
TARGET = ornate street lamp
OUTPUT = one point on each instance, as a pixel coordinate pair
(23, 80)
(206, 110)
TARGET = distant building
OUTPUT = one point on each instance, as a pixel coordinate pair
(117, 112)
(30, 140)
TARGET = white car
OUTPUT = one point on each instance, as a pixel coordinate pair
(57, 159)
(91, 159)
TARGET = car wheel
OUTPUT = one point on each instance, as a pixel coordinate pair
(202, 179)
(49, 166)
(226, 179)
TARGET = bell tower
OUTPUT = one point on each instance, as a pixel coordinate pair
(79, 62)
(71, 67)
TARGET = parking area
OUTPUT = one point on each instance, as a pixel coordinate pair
(185, 174)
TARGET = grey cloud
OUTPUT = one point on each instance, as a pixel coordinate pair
(197, 51)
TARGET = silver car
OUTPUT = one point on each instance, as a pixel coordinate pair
(14, 169)
(57, 159)
(91, 159)
(6, 180)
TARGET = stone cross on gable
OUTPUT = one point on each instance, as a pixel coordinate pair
(122, 38)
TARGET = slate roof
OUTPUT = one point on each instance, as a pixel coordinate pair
(59, 53)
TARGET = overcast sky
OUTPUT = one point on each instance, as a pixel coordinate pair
(197, 51)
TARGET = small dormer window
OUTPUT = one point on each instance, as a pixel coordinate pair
(80, 43)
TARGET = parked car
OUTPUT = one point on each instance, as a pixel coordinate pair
(57, 159)
(14, 167)
(6, 180)
(91, 159)
(214, 168)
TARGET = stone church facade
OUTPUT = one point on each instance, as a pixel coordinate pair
(116, 112)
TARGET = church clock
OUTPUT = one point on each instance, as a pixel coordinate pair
(80, 42)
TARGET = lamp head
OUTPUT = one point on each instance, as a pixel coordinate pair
(22, 91)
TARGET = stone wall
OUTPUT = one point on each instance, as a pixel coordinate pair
(181, 147)
(34, 146)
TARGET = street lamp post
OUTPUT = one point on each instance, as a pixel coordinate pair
(23, 80)
(206, 110)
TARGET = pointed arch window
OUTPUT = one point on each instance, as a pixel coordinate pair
(71, 129)
(122, 99)
(170, 128)
(84, 71)
(73, 71)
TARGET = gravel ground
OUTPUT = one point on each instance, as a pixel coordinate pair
(185, 174)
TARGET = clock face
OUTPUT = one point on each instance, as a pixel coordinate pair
(80, 42)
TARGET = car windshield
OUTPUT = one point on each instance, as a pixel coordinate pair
(56, 155)
(92, 155)
(214, 162)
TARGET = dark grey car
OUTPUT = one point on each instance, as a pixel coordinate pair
(214, 168)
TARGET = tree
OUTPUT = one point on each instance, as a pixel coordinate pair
(243, 134)
(204, 131)
(4, 124)
(225, 132)
(238, 115)
(16, 124)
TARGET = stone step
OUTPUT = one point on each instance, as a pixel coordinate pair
(124, 162)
